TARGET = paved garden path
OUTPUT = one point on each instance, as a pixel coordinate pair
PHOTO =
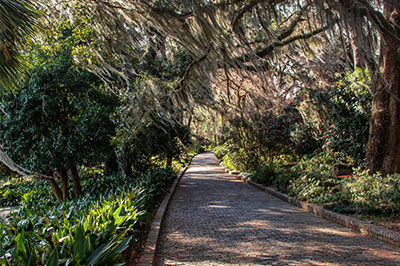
(215, 219)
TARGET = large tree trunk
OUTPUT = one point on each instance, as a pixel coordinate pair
(76, 182)
(56, 189)
(384, 136)
(64, 183)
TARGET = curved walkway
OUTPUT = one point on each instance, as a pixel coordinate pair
(215, 219)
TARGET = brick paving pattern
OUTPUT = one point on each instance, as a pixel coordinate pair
(215, 219)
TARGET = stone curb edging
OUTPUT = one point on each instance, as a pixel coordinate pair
(6, 210)
(148, 256)
(365, 228)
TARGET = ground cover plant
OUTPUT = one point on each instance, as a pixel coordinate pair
(93, 230)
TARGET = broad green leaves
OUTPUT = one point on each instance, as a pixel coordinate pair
(93, 230)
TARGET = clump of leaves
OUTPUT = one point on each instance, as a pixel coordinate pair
(93, 230)
(374, 194)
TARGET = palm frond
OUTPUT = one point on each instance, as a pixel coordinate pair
(17, 22)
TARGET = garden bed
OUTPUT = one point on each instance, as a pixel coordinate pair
(113, 215)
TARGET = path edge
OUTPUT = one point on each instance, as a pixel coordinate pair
(365, 228)
(148, 256)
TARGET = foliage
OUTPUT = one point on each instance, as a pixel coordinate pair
(91, 231)
(312, 187)
(220, 151)
(236, 160)
(5, 173)
(264, 138)
(346, 126)
(314, 179)
(368, 193)
(323, 162)
(59, 117)
(17, 24)
(18, 191)
(264, 175)
(156, 138)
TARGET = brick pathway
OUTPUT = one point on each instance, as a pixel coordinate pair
(214, 219)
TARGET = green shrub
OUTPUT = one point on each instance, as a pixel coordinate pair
(220, 151)
(228, 162)
(264, 175)
(312, 187)
(283, 177)
(323, 163)
(346, 126)
(239, 159)
(372, 193)
(19, 191)
(93, 230)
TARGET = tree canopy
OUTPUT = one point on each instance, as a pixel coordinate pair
(241, 55)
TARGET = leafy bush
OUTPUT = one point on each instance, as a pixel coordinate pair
(263, 175)
(220, 151)
(314, 180)
(236, 160)
(372, 193)
(18, 191)
(313, 187)
(284, 175)
(339, 116)
(323, 162)
(93, 230)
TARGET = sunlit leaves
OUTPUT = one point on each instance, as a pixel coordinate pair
(16, 24)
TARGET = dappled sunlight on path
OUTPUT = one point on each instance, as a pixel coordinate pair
(214, 219)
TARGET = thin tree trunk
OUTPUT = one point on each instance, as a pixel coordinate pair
(189, 123)
(56, 189)
(111, 164)
(384, 140)
(128, 168)
(76, 182)
(355, 54)
(168, 163)
(64, 183)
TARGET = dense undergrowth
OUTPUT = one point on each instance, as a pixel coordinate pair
(315, 179)
(93, 230)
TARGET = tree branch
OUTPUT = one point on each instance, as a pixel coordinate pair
(249, 7)
(268, 49)
(290, 29)
(190, 68)
(384, 26)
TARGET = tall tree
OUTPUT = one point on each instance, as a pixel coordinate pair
(384, 141)
(58, 119)
(243, 35)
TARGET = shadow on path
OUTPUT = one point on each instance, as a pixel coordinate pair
(215, 219)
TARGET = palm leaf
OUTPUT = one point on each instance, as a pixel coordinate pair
(17, 22)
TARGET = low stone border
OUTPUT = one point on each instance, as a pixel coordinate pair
(148, 256)
(6, 210)
(365, 228)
